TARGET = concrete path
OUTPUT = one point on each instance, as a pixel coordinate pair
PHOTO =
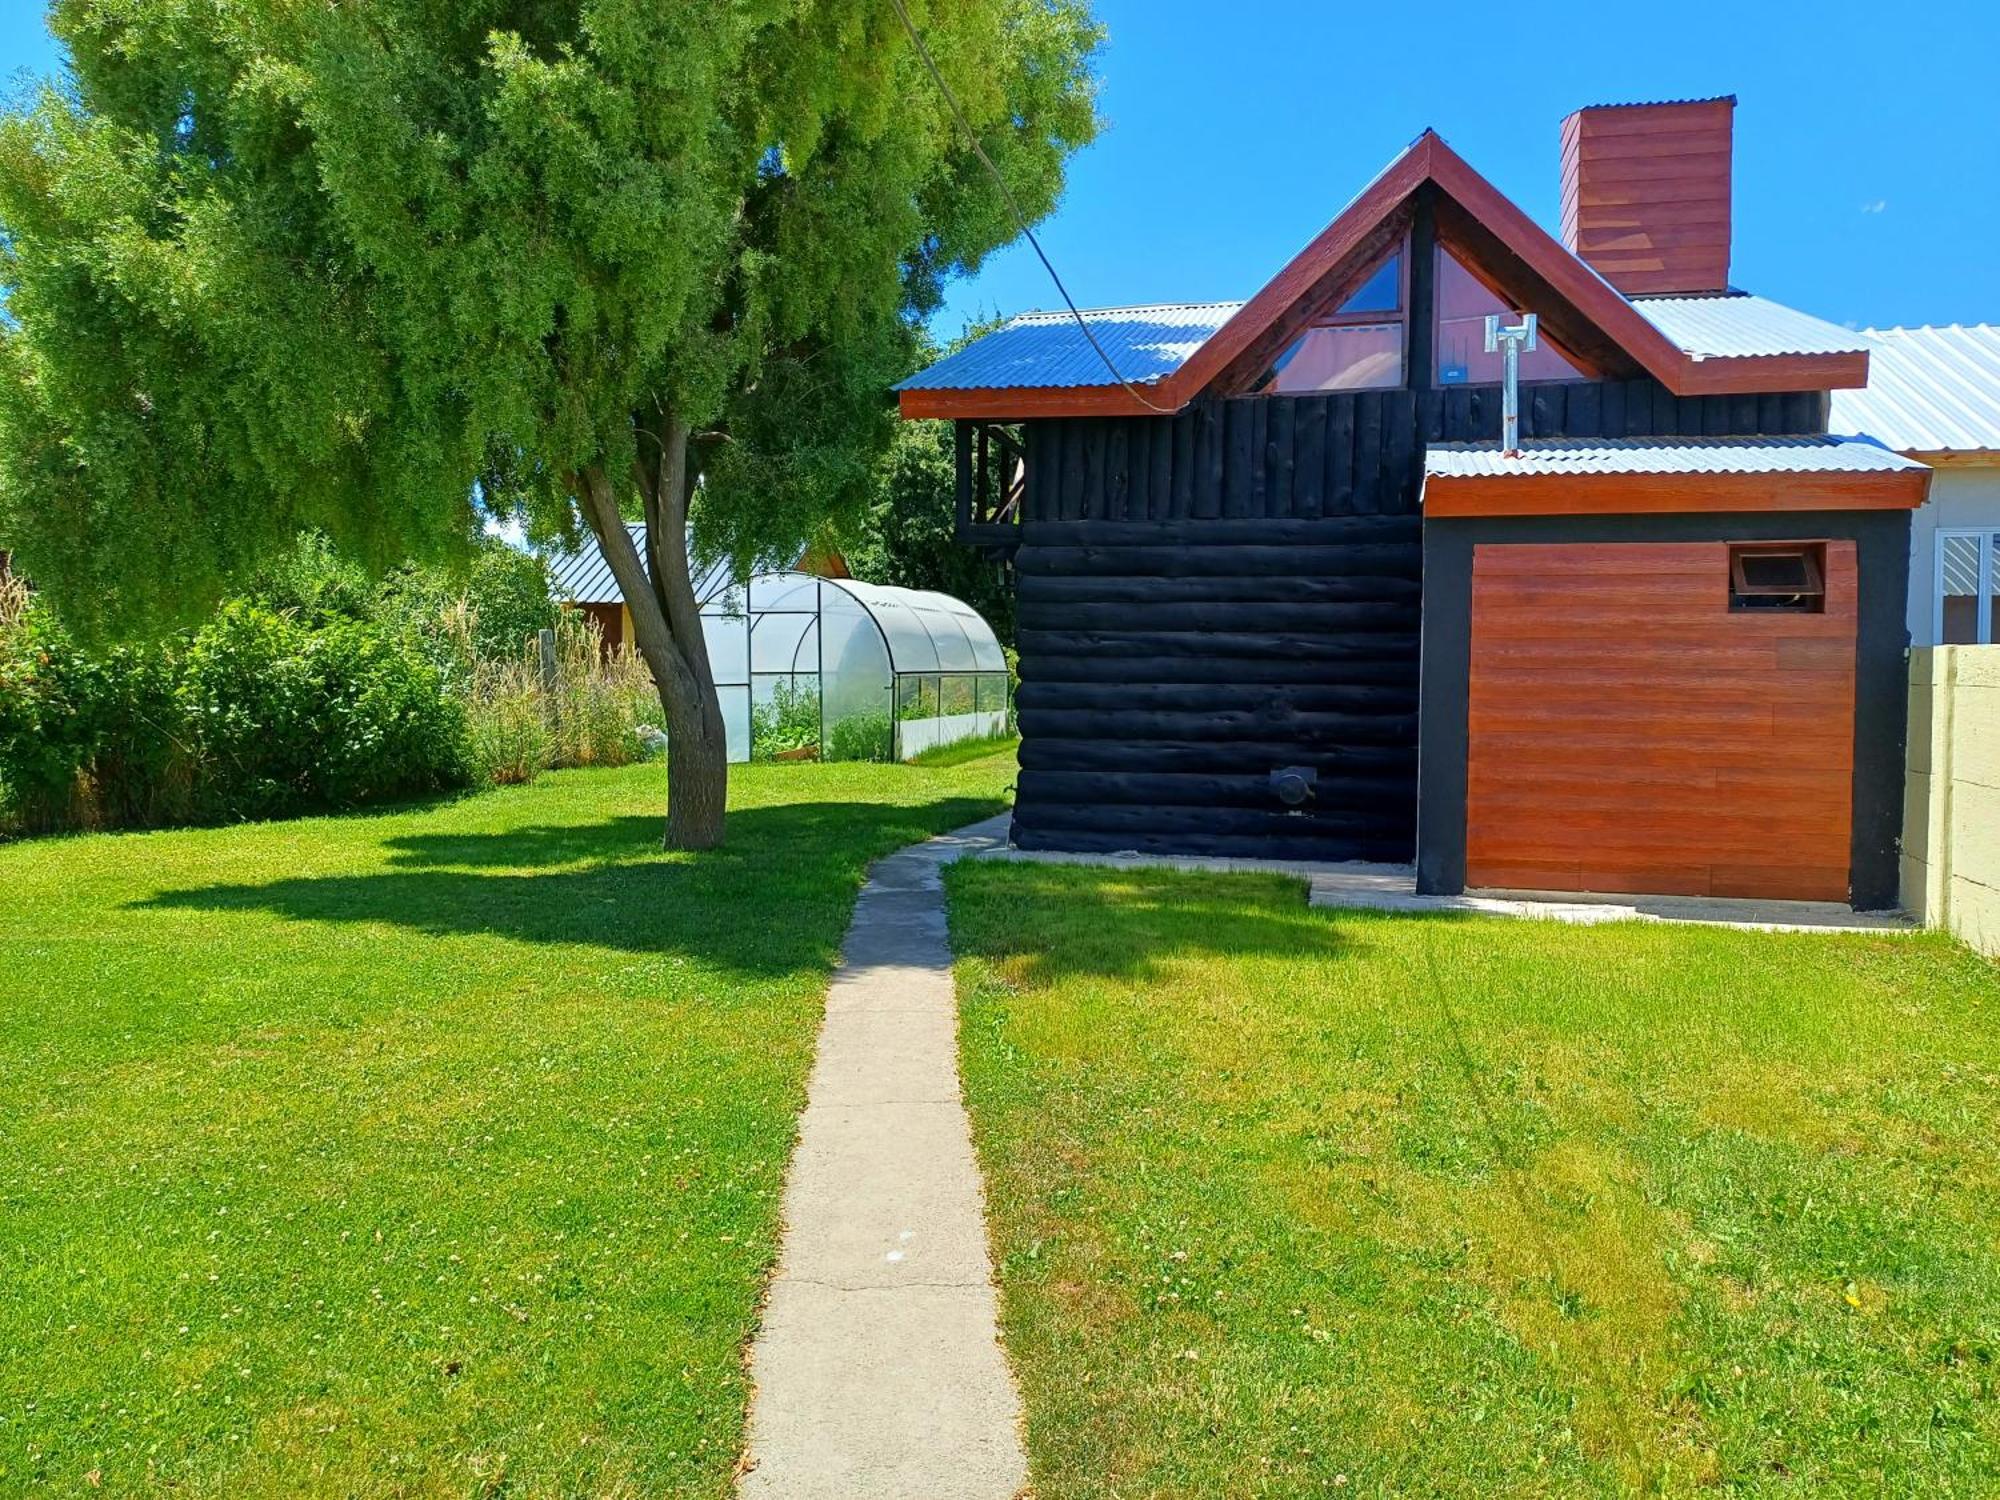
(878, 1371)
(1371, 887)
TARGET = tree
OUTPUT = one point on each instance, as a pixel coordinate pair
(371, 266)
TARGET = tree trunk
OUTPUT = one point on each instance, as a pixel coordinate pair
(666, 626)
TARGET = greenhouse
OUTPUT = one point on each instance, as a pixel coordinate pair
(835, 669)
(816, 668)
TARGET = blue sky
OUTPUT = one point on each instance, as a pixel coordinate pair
(1867, 137)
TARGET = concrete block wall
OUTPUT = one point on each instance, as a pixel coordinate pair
(1951, 811)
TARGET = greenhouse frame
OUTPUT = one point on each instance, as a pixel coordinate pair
(836, 669)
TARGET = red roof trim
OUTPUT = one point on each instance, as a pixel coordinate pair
(1427, 159)
(1634, 494)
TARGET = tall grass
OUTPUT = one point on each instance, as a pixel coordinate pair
(522, 721)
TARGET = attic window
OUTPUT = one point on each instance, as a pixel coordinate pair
(1463, 301)
(1788, 576)
(1356, 347)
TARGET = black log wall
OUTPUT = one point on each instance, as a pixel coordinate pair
(1208, 597)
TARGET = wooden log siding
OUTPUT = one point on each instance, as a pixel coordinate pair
(1206, 597)
(1169, 665)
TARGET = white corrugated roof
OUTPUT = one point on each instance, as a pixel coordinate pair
(584, 577)
(1737, 324)
(1930, 390)
(1757, 455)
(1047, 348)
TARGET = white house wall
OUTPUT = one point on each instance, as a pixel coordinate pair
(1962, 497)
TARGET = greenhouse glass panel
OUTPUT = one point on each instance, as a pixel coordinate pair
(833, 669)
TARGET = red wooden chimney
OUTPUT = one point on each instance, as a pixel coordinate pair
(1645, 193)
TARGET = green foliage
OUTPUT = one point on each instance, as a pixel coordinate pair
(90, 739)
(366, 268)
(315, 582)
(862, 736)
(507, 738)
(295, 717)
(908, 534)
(787, 722)
(596, 712)
(504, 595)
(255, 714)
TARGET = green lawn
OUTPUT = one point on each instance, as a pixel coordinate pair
(428, 1153)
(1291, 1202)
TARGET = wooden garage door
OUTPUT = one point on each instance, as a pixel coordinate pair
(1630, 733)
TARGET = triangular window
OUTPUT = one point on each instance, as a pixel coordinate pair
(1356, 347)
(1463, 302)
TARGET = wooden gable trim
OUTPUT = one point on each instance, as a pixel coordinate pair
(1588, 316)
(1332, 289)
(1653, 494)
(1020, 403)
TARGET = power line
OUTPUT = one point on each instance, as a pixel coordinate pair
(1014, 208)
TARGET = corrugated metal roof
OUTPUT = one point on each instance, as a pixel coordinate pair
(1661, 103)
(1150, 343)
(1764, 455)
(1048, 349)
(584, 577)
(1930, 390)
(1737, 324)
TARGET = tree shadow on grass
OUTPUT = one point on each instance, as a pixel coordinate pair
(774, 900)
(1126, 923)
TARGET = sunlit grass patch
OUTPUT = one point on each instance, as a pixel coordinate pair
(1297, 1202)
(428, 1153)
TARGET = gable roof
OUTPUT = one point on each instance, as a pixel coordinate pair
(1653, 340)
(1930, 390)
(1048, 350)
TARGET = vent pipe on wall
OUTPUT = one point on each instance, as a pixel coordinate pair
(1646, 193)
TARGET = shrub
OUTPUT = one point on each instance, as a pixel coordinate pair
(490, 613)
(316, 584)
(292, 717)
(597, 712)
(89, 740)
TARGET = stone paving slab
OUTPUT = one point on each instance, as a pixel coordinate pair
(878, 1368)
(1359, 886)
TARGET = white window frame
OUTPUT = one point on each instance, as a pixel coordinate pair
(1987, 537)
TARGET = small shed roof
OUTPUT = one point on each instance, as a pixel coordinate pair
(1048, 349)
(1930, 390)
(1631, 476)
(1740, 325)
(1758, 455)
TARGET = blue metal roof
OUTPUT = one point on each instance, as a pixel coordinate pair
(1930, 390)
(584, 577)
(1757, 455)
(1048, 349)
